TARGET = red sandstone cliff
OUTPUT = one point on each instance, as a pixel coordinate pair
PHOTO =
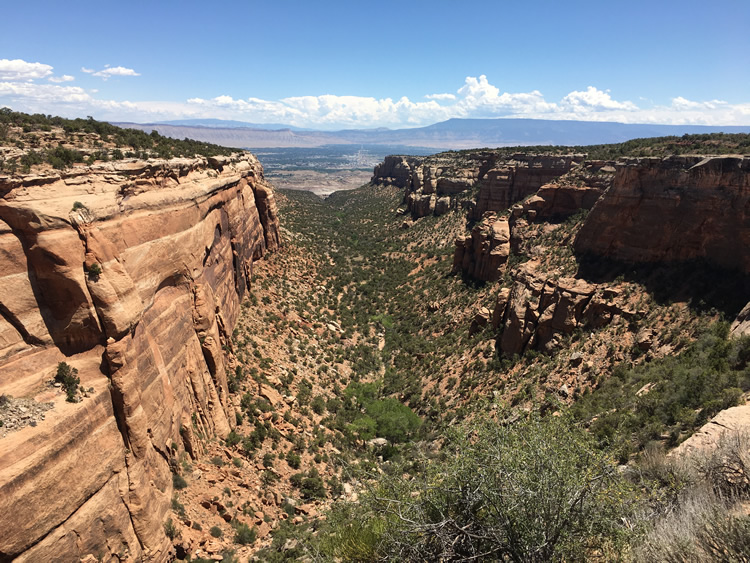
(175, 242)
(432, 183)
(674, 209)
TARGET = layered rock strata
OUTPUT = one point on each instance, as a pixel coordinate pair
(518, 178)
(132, 273)
(674, 209)
(483, 254)
(539, 309)
(432, 183)
(579, 189)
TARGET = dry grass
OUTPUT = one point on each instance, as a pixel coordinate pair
(706, 520)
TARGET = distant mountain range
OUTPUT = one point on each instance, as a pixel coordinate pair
(450, 134)
(231, 124)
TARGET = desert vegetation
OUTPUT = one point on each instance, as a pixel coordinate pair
(384, 323)
(360, 387)
(33, 140)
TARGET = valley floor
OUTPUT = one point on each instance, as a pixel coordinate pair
(357, 347)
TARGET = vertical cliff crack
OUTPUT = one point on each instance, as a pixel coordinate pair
(127, 507)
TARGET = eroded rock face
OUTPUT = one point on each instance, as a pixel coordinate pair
(578, 189)
(538, 308)
(674, 209)
(518, 178)
(133, 273)
(431, 183)
(446, 176)
(483, 254)
(396, 171)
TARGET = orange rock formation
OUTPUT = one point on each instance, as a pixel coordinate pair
(132, 273)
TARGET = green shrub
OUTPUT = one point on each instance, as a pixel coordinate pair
(178, 481)
(293, 459)
(170, 529)
(536, 490)
(68, 378)
(296, 480)
(94, 271)
(268, 460)
(178, 507)
(318, 404)
(244, 535)
(216, 532)
(232, 439)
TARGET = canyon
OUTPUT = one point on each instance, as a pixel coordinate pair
(132, 273)
(233, 388)
(642, 210)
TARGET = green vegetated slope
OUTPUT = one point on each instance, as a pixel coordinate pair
(481, 462)
(390, 290)
(708, 144)
(37, 140)
(362, 332)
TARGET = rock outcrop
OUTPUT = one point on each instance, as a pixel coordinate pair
(396, 171)
(433, 183)
(674, 209)
(579, 189)
(132, 273)
(483, 254)
(518, 178)
(728, 423)
(539, 309)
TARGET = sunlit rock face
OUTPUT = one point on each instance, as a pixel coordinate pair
(132, 272)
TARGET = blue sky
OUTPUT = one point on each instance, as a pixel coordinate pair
(333, 64)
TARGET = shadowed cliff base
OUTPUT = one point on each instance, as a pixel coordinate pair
(703, 286)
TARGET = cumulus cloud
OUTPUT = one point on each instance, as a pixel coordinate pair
(594, 99)
(110, 71)
(20, 70)
(440, 96)
(477, 97)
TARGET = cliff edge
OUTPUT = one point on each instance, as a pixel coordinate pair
(132, 273)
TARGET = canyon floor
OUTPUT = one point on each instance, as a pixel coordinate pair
(320, 183)
(279, 377)
(355, 301)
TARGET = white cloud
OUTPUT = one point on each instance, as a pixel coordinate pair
(440, 96)
(17, 69)
(594, 99)
(681, 103)
(110, 71)
(63, 78)
(476, 98)
(30, 92)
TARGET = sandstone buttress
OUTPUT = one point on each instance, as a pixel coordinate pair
(174, 242)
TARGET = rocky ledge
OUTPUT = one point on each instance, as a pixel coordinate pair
(674, 209)
(438, 183)
(132, 273)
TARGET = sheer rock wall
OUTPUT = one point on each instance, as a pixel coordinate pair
(174, 242)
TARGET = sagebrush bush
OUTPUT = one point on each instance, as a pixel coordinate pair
(536, 490)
